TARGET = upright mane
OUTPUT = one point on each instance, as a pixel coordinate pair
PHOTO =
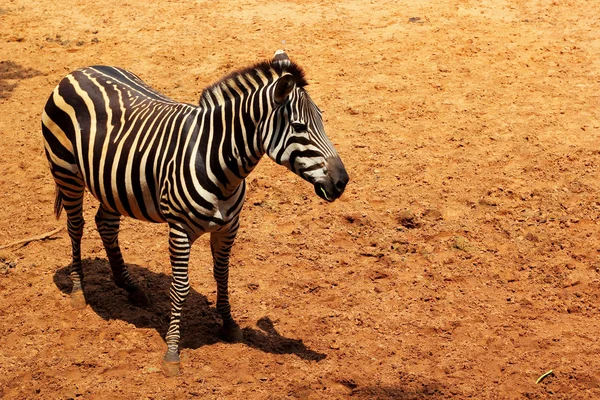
(214, 92)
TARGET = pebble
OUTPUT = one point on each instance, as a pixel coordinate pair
(461, 243)
(407, 219)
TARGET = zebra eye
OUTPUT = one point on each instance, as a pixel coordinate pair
(299, 127)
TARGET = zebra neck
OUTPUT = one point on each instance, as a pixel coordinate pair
(228, 146)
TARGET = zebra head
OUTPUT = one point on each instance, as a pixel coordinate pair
(298, 139)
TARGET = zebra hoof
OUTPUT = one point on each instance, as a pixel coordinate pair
(139, 298)
(78, 300)
(171, 368)
(231, 333)
(171, 364)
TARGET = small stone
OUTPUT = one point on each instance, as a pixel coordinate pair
(351, 217)
(532, 238)
(488, 201)
(461, 243)
(407, 219)
(433, 215)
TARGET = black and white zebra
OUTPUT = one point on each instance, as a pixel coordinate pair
(146, 156)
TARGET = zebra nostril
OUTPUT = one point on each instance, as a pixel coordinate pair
(340, 185)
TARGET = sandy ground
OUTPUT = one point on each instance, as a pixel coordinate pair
(462, 261)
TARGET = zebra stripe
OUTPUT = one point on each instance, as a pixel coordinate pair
(146, 156)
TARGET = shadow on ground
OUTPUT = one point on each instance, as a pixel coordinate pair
(11, 74)
(200, 321)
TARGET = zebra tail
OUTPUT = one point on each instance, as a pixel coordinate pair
(58, 203)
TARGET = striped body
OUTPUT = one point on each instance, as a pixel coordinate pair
(139, 152)
(146, 156)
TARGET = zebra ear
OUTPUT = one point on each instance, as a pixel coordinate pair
(284, 87)
(281, 58)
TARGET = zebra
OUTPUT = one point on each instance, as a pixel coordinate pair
(146, 156)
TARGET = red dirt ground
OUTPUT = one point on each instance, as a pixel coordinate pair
(462, 262)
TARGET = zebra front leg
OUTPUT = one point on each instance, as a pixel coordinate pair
(179, 248)
(108, 223)
(220, 245)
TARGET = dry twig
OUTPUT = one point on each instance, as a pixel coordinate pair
(23, 242)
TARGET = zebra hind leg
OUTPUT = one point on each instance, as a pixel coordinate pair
(108, 224)
(220, 245)
(72, 202)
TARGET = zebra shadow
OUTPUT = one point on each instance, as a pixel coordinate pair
(200, 322)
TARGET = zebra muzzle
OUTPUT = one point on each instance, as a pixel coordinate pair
(332, 187)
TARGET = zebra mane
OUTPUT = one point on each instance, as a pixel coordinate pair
(267, 68)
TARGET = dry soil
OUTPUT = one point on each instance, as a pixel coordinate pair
(462, 261)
